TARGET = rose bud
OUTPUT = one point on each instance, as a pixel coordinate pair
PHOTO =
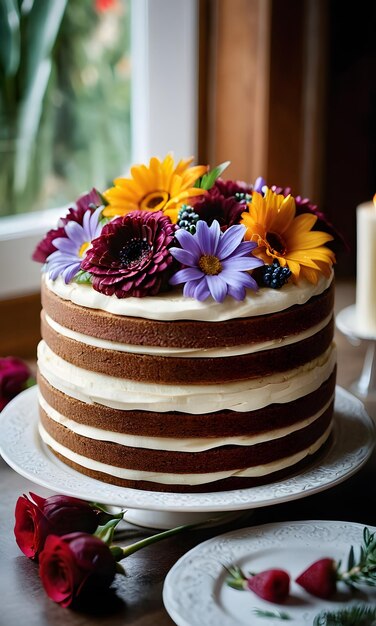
(74, 565)
(56, 515)
(14, 374)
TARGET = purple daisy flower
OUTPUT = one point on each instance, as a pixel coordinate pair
(71, 248)
(90, 200)
(216, 263)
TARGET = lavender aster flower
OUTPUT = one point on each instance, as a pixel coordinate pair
(71, 248)
(216, 263)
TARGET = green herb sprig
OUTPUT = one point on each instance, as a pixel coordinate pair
(361, 570)
(356, 615)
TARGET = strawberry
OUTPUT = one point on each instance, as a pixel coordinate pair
(320, 578)
(272, 585)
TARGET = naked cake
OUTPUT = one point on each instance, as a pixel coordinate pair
(187, 332)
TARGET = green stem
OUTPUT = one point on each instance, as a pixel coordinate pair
(134, 547)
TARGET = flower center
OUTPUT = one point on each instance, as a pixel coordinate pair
(210, 264)
(134, 252)
(83, 249)
(276, 243)
(154, 201)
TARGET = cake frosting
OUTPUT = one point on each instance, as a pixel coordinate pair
(222, 383)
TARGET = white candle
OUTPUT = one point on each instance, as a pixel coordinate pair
(366, 268)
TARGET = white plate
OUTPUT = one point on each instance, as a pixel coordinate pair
(195, 592)
(22, 448)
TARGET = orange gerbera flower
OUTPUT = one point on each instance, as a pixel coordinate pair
(158, 187)
(279, 234)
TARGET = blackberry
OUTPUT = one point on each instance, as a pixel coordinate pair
(242, 197)
(187, 218)
(274, 275)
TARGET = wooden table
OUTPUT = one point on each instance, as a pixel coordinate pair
(138, 597)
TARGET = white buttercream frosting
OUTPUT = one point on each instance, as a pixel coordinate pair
(173, 305)
(245, 395)
(181, 479)
(186, 444)
(186, 352)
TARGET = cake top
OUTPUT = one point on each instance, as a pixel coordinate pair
(178, 227)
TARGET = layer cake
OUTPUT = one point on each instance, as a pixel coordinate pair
(187, 332)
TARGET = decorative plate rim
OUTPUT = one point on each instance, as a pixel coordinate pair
(194, 592)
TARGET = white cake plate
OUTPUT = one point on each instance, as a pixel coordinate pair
(22, 448)
(365, 386)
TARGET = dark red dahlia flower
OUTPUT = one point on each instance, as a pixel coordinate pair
(131, 255)
(46, 247)
(229, 188)
(90, 200)
(214, 206)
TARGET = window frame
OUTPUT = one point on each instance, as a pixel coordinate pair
(164, 118)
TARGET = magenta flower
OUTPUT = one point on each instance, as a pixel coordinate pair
(90, 200)
(15, 376)
(231, 188)
(215, 206)
(131, 257)
(71, 247)
(217, 264)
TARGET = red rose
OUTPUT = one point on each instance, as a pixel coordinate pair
(56, 515)
(14, 374)
(74, 565)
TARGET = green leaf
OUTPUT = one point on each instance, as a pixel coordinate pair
(120, 569)
(30, 382)
(106, 532)
(236, 578)
(83, 278)
(276, 614)
(10, 38)
(207, 180)
(351, 559)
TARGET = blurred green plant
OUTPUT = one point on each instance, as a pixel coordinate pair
(64, 99)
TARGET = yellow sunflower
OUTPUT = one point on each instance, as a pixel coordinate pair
(158, 187)
(280, 234)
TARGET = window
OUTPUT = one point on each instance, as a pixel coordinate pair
(163, 118)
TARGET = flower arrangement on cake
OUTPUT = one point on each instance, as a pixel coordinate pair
(173, 224)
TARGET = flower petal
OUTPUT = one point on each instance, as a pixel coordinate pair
(237, 292)
(230, 241)
(217, 287)
(183, 276)
(66, 245)
(208, 237)
(190, 288)
(202, 290)
(184, 256)
(75, 232)
(241, 264)
(188, 242)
